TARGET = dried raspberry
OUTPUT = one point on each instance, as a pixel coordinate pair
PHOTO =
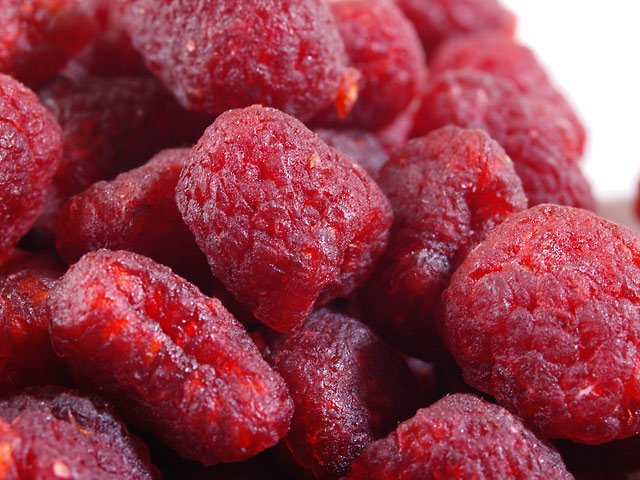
(30, 151)
(176, 362)
(136, 212)
(26, 356)
(111, 125)
(438, 20)
(360, 146)
(544, 315)
(538, 137)
(383, 45)
(51, 432)
(448, 191)
(285, 221)
(37, 37)
(502, 56)
(461, 436)
(348, 388)
(228, 54)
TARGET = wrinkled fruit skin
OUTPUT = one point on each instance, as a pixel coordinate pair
(37, 37)
(111, 125)
(228, 54)
(137, 212)
(359, 145)
(460, 436)
(448, 190)
(438, 20)
(30, 151)
(502, 56)
(537, 136)
(285, 221)
(51, 432)
(349, 388)
(174, 361)
(545, 316)
(26, 356)
(384, 47)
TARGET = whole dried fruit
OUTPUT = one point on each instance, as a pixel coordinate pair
(285, 221)
(460, 436)
(382, 44)
(359, 145)
(438, 20)
(536, 135)
(111, 125)
(26, 356)
(137, 212)
(51, 432)
(448, 190)
(502, 56)
(545, 316)
(228, 54)
(30, 151)
(174, 361)
(37, 37)
(348, 387)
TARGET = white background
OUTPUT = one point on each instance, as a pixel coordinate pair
(591, 49)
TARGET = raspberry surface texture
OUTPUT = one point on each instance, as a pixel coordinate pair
(228, 54)
(173, 360)
(111, 125)
(460, 437)
(30, 151)
(54, 433)
(438, 20)
(501, 55)
(537, 136)
(448, 190)
(384, 47)
(359, 145)
(26, 356)
(37, 37)
(348, 387)
(286, 222)
(137, 212)
(545, 316)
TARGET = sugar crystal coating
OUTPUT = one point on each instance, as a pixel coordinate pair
(545, 316)
(348, 387)
(173, 360)
(285, 221)
(51, 432)
(460, 437)
(448, 190)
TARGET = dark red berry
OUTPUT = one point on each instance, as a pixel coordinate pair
(448, 190)
(30, 151)
(286, 222)
(348, 387)
(460, 437)
(545, 316)
(537, 136)
(53, 433)
(228, 54)
(173, 360)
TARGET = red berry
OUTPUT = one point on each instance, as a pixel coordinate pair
(448, 190)
(174, 361)
(536, 135)
(55, 433)
(348, 387)
(461, 436)
(228, 54)
(285, 221)
(545, 316)
(30, 151)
